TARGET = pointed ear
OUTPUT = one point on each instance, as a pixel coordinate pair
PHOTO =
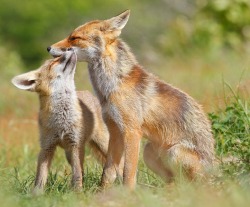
(26, 81)
(118, 22)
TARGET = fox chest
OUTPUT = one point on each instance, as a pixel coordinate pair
(61, 130)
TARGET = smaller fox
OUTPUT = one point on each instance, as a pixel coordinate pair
(67, 118)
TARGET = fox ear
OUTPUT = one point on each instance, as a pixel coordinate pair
(118, 22)
(26, 81)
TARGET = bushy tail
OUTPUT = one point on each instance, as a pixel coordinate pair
(201, 135)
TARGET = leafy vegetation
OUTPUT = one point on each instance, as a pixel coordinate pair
(212, 26)
(232, 133)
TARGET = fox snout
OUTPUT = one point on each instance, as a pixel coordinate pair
(48, 48)
(67, 49)
(59, 48)
(56, 52)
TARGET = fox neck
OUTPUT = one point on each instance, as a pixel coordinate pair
(58, 102)
(107, 71)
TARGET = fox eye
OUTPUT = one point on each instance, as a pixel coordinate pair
(73, 38)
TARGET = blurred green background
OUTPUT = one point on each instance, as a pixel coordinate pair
(192, 44)
(170, 27)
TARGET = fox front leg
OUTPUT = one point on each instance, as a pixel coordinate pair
(81, 158)
(132, 140)
(114, 156)
(73, 155)
(43, 165)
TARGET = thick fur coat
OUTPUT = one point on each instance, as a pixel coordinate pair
(136, 103)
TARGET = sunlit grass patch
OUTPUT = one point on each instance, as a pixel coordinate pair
(200, 77)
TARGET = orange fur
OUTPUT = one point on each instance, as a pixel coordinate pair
(136, 103)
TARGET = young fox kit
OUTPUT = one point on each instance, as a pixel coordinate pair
(136, 103)
(67, 118)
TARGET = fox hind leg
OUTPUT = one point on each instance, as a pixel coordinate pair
(178, 160)
(183, 161)
(154, 162)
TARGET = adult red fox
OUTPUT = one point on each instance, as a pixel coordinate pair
(136, 103)
(67, 118)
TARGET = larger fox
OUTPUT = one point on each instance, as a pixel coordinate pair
(136, 103)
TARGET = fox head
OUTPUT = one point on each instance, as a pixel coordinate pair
(92, 40)
(53, 76)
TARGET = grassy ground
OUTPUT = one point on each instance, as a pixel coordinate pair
(200, 77)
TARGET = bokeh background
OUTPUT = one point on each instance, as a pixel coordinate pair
(194, 44)
(199, 46)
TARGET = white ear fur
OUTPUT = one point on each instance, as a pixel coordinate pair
(119, 22)
(26, 81)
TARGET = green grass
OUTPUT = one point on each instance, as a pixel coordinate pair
(17, 183)
(231, 128)
(229, 185)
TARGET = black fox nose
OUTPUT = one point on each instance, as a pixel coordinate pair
(69, 49)
(48, 49)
